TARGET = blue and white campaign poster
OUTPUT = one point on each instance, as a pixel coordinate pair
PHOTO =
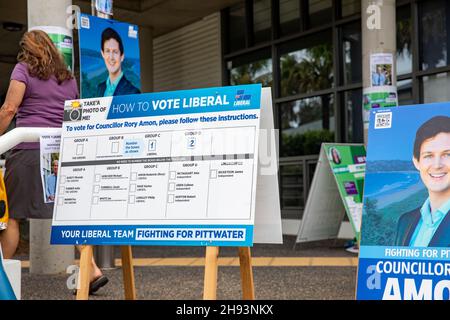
(169, 168)
(405, 235)
(109, 57)
(104, 6)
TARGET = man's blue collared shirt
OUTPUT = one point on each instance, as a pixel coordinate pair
(111, 87)
(51, 186)
(428, 224)
(378, 79)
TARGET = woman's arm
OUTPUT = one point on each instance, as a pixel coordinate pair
(13, 100)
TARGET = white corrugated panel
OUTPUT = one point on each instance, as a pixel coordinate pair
(189, 57)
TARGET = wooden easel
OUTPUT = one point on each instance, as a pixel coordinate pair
(211, 269)
(127, 269)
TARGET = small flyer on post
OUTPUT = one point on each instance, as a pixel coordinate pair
(378, 97)
(381, 68)
(49, 163)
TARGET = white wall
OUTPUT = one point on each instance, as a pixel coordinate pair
(189, 57)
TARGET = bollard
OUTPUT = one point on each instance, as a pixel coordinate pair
(46, 258)
(13, 270)
(105, 257)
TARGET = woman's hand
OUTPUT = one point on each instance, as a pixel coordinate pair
(14, 98)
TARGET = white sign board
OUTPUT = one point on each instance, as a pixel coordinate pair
(324, 209)
(175, 168)
(268, 213)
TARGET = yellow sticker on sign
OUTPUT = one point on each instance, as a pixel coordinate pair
(3, 205)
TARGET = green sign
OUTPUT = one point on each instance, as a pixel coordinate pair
(378, 97)
(64, 45)
(62, 38)
(348, 165)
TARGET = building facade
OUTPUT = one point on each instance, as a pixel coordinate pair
(310, 53)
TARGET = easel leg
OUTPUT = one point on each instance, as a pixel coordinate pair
(211, 269)
(245, 261)
(85, 271)
(128, 273)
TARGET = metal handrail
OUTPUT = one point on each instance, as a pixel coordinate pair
(104, 254)
(24, 134)
(297, 159)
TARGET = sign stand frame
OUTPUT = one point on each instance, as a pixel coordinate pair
(210, 279)
(211, 270)
(85, 268)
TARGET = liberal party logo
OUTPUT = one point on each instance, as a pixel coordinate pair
(242, 99)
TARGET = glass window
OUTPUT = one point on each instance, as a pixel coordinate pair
(353, 107)
(436, 88)
(352, 55)
(405, 94)
(433, 33)
(292, 186)
(255, 68)
(289, 16)
(350, 7)
(262, 20)
(320, 12)
(236, 27)
(306, 68)
(404, 36)
(305, 124)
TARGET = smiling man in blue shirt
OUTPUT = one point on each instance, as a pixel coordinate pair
(429, 225)
(112, 51)
(50, 188)
(379, 77)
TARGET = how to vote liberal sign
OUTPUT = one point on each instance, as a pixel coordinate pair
(405, 233)
(170, 168)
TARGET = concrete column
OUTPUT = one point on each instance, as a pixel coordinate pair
(47, 12)
(146, 51)
(378, 36)
(44, 258)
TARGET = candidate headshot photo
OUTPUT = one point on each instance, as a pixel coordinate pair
(335, 156)
(50, 178)
(379, 76)
(113, 54)
(429, 224)
(109, 58)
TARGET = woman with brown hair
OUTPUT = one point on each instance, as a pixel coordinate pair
(40, 83)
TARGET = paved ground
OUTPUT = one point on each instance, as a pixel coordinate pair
(320, 271)
(186, 283)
